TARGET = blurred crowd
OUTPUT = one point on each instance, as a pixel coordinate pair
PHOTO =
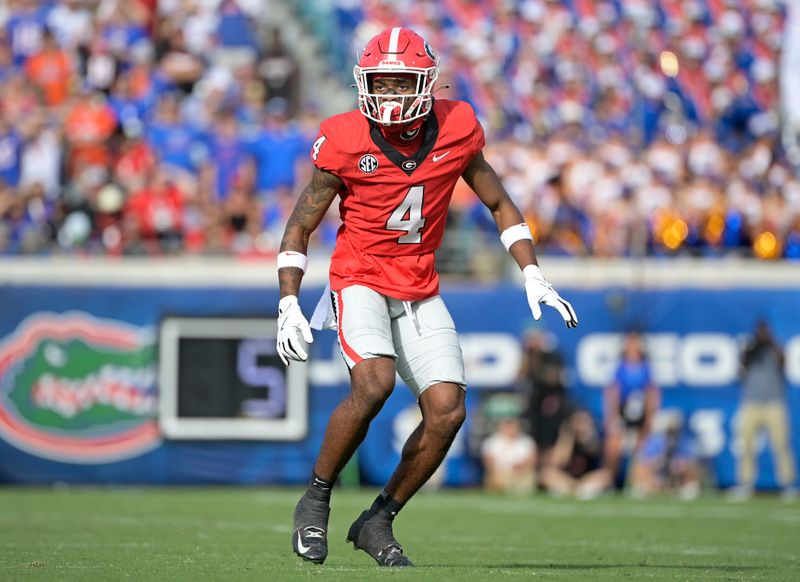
(146, 127)
(620, 127)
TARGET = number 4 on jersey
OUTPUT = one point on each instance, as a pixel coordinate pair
(407, 217)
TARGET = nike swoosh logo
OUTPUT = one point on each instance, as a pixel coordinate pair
(437, 158)
(300, 547)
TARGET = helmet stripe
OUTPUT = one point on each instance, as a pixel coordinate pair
(393, 39)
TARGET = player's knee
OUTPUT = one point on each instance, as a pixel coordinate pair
(448, 417)
(372, 382)
(453, 419)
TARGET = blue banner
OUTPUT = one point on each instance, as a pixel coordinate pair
(79, 375)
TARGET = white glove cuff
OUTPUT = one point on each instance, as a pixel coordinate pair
(533, 273)
(292, 259)
(514, 233)
(286, 302)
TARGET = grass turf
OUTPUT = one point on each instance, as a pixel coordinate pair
(244, 534)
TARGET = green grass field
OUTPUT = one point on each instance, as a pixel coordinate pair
(243, 534)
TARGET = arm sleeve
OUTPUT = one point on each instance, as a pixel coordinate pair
(474, 138)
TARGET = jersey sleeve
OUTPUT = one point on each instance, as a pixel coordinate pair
(471, 130)
(478, 137)
(324, 153)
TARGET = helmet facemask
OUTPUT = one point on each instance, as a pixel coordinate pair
(390, 109)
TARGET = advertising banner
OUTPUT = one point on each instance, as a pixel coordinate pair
(79, 378)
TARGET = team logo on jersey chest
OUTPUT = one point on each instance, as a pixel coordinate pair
(368, 163)
(409, 165)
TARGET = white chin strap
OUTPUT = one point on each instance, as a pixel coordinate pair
(388, 108)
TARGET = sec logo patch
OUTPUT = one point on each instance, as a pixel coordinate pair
(368, 163)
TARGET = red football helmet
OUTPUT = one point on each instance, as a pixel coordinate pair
(396, 51)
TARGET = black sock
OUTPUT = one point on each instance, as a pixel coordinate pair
(320, 489)
(386, 506)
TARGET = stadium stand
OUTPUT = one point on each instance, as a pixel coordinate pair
(621, 127)
(625, 127)
(146, 127)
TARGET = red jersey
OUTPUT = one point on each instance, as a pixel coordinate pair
(394, 207)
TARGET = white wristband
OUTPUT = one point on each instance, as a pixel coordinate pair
(292, 259)
(514, 233)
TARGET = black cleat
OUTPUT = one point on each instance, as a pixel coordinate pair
(310, 543)
(373, 534)
(310, 536)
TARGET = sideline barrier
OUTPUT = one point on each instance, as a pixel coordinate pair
(79, 362)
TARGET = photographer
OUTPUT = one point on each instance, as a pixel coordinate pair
(763, 406)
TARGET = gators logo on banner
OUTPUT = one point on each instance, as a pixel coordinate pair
(78, 389)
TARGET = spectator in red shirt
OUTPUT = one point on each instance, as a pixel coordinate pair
(136, 161)
(158, 211)
(87, 128)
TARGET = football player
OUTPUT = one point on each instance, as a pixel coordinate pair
(393, 164)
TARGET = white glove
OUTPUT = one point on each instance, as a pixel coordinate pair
(540, 291)
(292, 329)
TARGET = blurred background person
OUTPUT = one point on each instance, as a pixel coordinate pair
(630, 402)
(508, 453)
(666, 461)
(763, 406)
(51, 71)
(541, 385)
(574, 466)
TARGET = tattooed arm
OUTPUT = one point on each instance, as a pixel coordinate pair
(306, 216)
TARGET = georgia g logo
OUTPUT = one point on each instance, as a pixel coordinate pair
(368, 163)
(429, 50)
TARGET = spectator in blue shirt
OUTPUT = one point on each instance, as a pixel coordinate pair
(25, 29)
(176, 144)
(235, 29)
(666, 462)
(128, 109)
(630, 402)
(122, 32)
(227, 152)
(277, 148)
